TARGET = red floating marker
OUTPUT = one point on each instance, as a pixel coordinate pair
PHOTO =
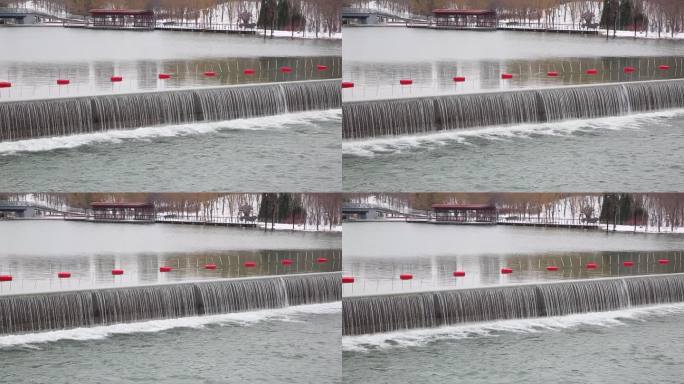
(506, 271)
(5, 84)
(506, 76)
(285, 69)
(591, 71)
(405, 82)
(164, 269)
(406, 276)
(347, 84)
(459, 79)
(552, 268)
(628, 263)
(629, 69)
(249, 264)
(552, 74)
(210, 73)
(210, 266)
(117, 271)
(163, 76)
(347, 279)
(664, 67)
(64, 275)
(663, 261)
(591, 266)
(286, 262)
(5, 277)
(321, 67)
(62, 81)
(248, 71)
(321, 260)
(459, 273)
(115, 79)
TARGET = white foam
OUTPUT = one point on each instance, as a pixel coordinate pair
(147, 133)
(290, 314)
(399, 144)
(421, 337)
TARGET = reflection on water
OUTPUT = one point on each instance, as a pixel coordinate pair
(38, 79)
(39, 274)
(381, 80)
(377, 253)
(381, 275)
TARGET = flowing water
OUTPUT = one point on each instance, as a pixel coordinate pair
(263, 346)
(587, 155)
(635, 345)
(265, 153)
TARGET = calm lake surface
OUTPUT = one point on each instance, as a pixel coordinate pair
(377, 253)
(89, 58)
(91, 250)
(262, 346)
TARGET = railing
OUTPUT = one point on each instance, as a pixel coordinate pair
(547, 221)
(203, 26)
(205, 220)
(547, 27)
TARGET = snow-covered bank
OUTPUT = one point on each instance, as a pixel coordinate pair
(643, 35)
(301, 227)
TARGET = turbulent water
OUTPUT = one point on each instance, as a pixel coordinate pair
(64, 310)
(386, 313)
(439, 113)
(88, 114)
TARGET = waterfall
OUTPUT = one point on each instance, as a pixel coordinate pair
(407, 116)
(385, 313)
(21, 120)
(72, 309)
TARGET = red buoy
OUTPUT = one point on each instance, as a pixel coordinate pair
(347, 84)
(210, 266)
(250, 264)
(552, 268)
(506, 270)
(406, 276)
(321, 260)
(629, 69)
(5, 84)
(459, 79)
(552, 74)
(506, 76)
(117, 272)
(285, 69)
(163, 76)
(248, 71)
(209, 73)
(164, 269)
(321, 67)
(5, 277)
(628, 263)
(405, 82)
(286, 262)
(459, 273)
(664, 67)
(115, 79)
(62, 81)
(591, 266)
(663, 261)
(63, 275)
(347, 279)
(592, 71)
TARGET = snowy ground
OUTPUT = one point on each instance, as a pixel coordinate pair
(299, 227)
(644, 35)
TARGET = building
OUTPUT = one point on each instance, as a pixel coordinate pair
(368, 212)
(463, 214)
(122, 19)
(123, 212)
(465, 19)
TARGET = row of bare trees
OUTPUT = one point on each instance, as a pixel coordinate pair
(655, 210)
(308, 209)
